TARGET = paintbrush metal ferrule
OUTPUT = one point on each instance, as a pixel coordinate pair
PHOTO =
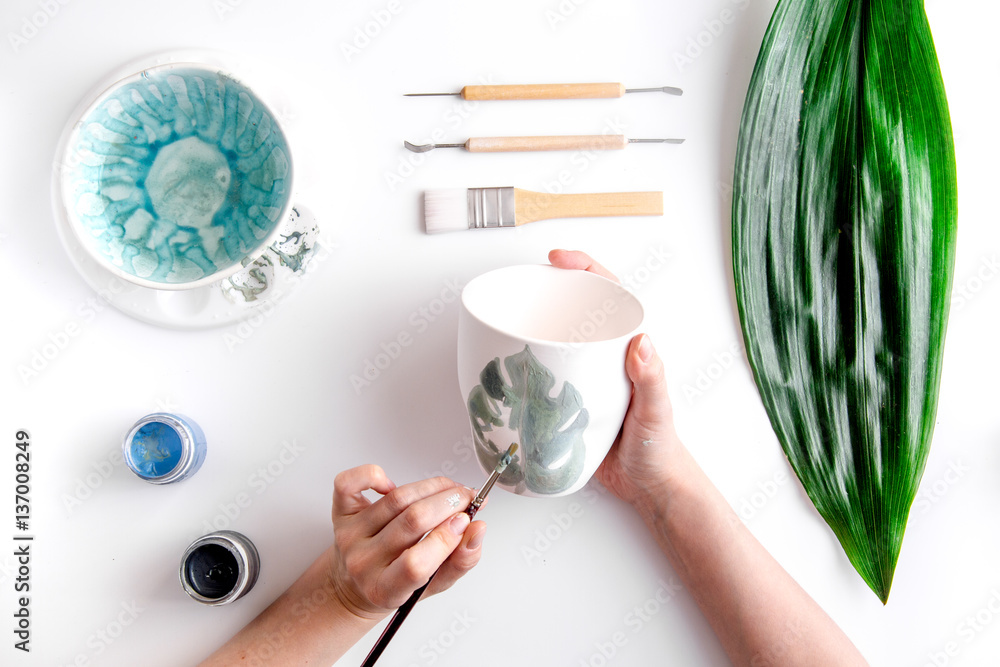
(491, 207)
(494, 476)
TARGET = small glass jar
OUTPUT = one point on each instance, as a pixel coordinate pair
(162, 448)
(219, 568)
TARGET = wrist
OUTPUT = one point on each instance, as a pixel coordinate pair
(342, 600)
(308, 624)
(674, 473)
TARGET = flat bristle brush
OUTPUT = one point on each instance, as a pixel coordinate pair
(482, 208)
(405, 609)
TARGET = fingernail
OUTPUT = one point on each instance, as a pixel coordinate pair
(476, 541)
(459, 522)
(645, 349)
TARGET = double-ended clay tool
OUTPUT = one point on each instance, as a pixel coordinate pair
(404, 610)
(599, 142)
(550, 91)
(481, 208)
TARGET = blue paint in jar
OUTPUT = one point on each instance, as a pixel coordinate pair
(156, 449)
(162, 448)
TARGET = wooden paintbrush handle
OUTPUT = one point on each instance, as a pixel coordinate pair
(544, 91)
(531, 206)
(601, 142)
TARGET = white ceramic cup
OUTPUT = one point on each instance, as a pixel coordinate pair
(541, 362)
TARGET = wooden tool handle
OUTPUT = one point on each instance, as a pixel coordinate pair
(531, 206)
(601, 142)
(544, 91)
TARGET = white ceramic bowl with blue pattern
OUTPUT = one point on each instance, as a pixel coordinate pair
(177, 176)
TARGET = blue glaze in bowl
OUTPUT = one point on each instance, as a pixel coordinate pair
(176, 176)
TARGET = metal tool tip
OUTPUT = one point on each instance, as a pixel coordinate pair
(656, 141)
(417, 149)
(512, 450)
(669, 90)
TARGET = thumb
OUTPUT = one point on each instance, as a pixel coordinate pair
(650, 416)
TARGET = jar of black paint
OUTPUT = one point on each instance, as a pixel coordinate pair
(219, 568)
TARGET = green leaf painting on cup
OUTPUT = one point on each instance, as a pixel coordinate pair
(549, 430)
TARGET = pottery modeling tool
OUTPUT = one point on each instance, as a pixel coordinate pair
(404, 610)
(478, 208)
(600, 142)
(550, 91)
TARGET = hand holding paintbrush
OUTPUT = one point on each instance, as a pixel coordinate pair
(407, 607)
(376, 561)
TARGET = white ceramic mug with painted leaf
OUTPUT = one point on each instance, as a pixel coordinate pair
(541, 362)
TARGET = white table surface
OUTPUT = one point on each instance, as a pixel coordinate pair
(104, 587)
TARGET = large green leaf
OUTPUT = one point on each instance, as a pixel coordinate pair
(844, 211)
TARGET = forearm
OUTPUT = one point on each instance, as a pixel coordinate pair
(307, 625)
(760, 614)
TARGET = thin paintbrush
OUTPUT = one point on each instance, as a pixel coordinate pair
(406, 607)
(479, 208)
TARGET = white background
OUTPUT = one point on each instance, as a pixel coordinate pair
(102, 543)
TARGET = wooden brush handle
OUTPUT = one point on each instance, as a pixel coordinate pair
(544, 91)
(600, 142)
(531, 206)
